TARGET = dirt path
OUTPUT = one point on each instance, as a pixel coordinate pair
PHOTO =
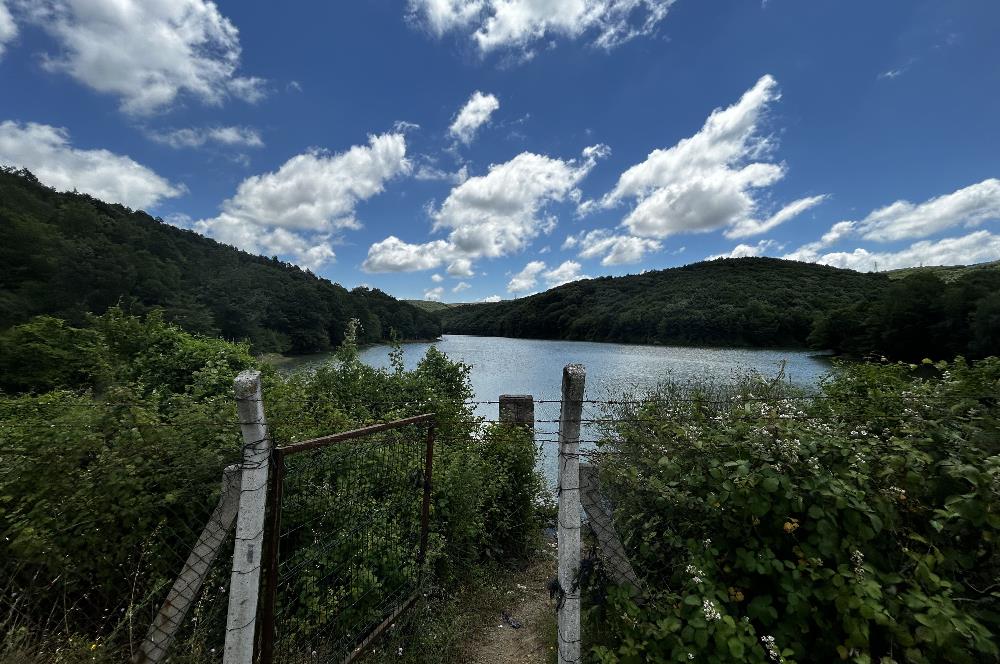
(529, 605)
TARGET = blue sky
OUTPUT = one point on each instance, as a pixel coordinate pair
(471, 149)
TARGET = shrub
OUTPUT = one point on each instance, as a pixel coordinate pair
(111, 459)
(858, 524)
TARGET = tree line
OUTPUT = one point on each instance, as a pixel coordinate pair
(760, 302)
(69, 255)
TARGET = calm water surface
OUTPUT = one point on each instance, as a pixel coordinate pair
(528, 366)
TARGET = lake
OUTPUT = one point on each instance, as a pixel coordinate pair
(530, 366)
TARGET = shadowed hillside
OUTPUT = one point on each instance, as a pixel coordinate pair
(68, 254)
(740, 301)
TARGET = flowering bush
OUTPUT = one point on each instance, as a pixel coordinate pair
(857, 524)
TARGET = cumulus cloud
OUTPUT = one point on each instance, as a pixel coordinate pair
(746, 250)
(394, 255)
(47, 152)
(434, 294)
(967, 207)
(195, 137)
(437, 278)
(498, 213)
(490, 215)
(975, 247)
(616, 249)
(491, 298)
(8, 29)
(472, 116)
(461, 286)
(903, 220)
(566, 272)
(517, 25)
(460, 267)
(810, 251)
(146, 53)
(295, 210)
(526, 279)
(711, 180)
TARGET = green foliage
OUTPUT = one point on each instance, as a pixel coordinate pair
(742, 301)
(860, 524)
(922, 315)
(111, 462)
(98, 255)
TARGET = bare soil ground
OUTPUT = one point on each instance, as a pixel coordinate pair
(528, 604)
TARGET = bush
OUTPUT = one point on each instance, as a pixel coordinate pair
(860, 524)
(111, 457)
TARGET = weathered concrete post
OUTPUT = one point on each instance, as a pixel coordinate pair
(164, 627)
(613, 558)
(245, 584)
(517, 409)
(574, 378)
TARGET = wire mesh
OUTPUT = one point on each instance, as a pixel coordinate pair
(113, 539)
(349, 537)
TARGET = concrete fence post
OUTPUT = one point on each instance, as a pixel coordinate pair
(574, 378)
(245, 584)
(613, 557)
(182, 594)
(517, 409)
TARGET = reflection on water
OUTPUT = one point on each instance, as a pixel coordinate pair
(529, 366)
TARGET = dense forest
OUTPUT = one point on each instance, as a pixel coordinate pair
(929, 312)
(68, 255)
(741, 301)
(921, 315)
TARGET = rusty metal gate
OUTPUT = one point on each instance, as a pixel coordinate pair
(346, 539)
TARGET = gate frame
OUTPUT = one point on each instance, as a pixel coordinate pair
(275, 494)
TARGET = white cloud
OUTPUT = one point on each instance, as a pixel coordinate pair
(710, 180)
(8, 29)
(460, 267)
(903, 220)
(500, 212)
(437, 278)
(46, 151)
(394, 255)
(489, 216)
(566, 272)
(461, 286)
(432, 173)
(975, 247)
(526, 279)
(194, 137)
(402, 126)
(146, 53)
(434, 294)
(617, 249)
(519, 24)
(295, 210)
(748, 227)
(746, 250)
(474, 114)
(810, 251)
(492, 298)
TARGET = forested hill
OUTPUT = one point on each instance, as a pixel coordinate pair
(741, 301)
(69, 254)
